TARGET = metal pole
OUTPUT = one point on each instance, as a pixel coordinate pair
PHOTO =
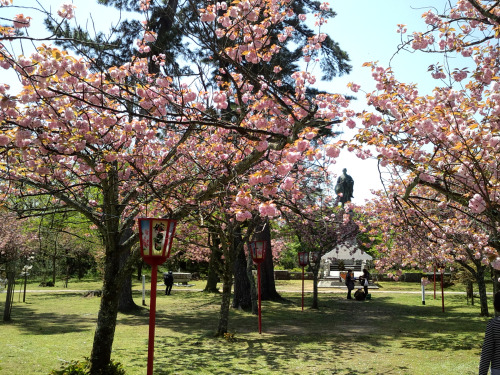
(302, 288)
(152, 318)
(258, 290)
(423, 294)
(143, 290)
(25, 281)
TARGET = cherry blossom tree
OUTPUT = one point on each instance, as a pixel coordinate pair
(422, 233)
(16, 244)
(116, 144)
(446, 140)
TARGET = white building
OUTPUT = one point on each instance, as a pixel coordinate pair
(348, 254)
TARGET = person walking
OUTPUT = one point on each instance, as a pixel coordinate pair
(168, 279)
(349, 282)
(490, 353)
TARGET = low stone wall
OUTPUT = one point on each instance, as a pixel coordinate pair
(281, 275)
(288, 275)
(411, 277)
(414, 277)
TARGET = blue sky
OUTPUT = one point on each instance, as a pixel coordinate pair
(366, 29)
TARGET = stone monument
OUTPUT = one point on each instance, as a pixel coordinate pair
(344, 187)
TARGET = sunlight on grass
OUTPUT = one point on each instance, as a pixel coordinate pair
(391, 334)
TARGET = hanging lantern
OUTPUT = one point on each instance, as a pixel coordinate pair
(258, 250)
(303, 258)
(156, 237)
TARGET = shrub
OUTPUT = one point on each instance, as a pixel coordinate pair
(82, 368)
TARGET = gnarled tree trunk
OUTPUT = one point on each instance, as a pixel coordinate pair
(482, 291)
(100, 356)
(214, 266)
(126, 302)
(242, 298)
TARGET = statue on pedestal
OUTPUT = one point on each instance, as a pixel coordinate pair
(344, 187)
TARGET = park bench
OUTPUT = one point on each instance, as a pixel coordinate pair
(355, 265)
(182, 277)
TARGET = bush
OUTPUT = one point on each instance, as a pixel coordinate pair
(82, 368)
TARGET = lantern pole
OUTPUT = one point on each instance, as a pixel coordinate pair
(259, 297)
(302, 288)
(434, 282)
(155, 237)
(152, 319)
(303, 260)
(422, 283)
(258, 251)
(442, 288)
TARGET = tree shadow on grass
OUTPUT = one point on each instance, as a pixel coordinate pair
(186, 322)
(30, 322)
(185, 342)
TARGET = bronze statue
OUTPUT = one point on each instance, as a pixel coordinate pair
(344, 187)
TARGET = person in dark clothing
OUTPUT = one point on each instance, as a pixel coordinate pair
(168, 279)
(349, 282)
(364, 280)
(490, 353)
(359, 295)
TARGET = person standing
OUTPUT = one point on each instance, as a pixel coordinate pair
(490, 353)
(349, 282)
(168, 279)
(364, 280)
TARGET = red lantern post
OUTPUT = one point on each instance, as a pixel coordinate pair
(303, 261)
(155, 237)
(258, 251)
(434, 282)
(442, 288)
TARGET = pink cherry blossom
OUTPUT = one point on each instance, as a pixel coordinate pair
(21, 21)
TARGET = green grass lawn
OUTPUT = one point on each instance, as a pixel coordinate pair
(391, 334)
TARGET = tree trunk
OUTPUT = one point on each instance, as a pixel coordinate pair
(470, 291)
(253, 288)
(230, 247)
(482, 291)
(11, 282)
(315, 304)
(54, 263)
(242, 298)
(226, 300)
(268, 286)
(495, 275)
(126, 302)
(214, 265)
(100, 356)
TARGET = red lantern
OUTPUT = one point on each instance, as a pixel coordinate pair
(156, 237)
(258, 251)
(303, 258)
